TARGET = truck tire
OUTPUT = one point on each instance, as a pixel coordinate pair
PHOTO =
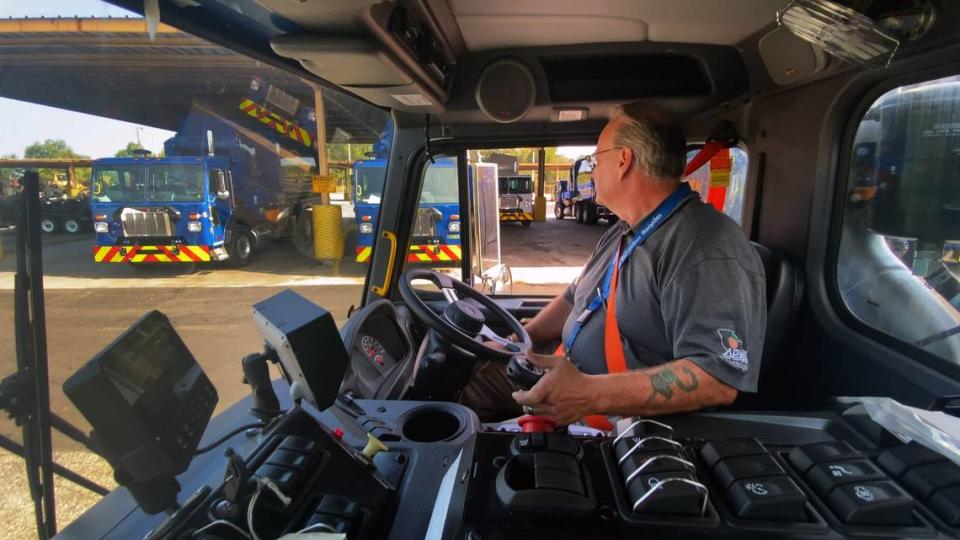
(71, 225)
(578, 213)
(591, 215)
(527, 223)
(558, 210)
(48, 225)
(240, 247)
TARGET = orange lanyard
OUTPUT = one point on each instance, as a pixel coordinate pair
(612, 345)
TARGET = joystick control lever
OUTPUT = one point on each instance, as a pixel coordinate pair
(523, 373)
(256, 373)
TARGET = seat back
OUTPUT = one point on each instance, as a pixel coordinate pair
(784, 295)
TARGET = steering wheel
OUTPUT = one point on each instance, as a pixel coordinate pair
(462, 323)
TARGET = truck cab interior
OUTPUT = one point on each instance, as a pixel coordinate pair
(848, 112)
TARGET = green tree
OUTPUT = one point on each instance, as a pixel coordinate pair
(51, 149)
(56, 149)
(128, 150)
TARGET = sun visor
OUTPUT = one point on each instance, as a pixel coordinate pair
(341, 60)
(359, 66)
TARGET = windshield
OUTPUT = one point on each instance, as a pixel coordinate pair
(118, 184)
(175, 183)
(167, 183)
(370, 184)
(440, 185)
(520, 185)
(154, 241)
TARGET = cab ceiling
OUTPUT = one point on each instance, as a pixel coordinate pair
(503, 24)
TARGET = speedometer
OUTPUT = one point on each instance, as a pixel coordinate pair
(373, 349)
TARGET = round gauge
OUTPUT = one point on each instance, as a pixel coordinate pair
(373, 349)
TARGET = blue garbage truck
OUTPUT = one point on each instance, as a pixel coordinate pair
(436, 232)
(229, 180)
(578, 199)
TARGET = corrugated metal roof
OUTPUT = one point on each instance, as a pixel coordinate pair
(110, 68)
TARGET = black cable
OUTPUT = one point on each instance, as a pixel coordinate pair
(426, 134)
(223, 439)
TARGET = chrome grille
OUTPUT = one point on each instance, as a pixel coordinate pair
(140, 223)
(426, 223)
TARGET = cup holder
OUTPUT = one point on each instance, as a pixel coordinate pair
(431, 424)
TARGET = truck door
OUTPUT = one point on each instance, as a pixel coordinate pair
(221, 199)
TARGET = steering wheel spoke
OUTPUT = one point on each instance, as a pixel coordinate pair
(449, 294)
(487, 335)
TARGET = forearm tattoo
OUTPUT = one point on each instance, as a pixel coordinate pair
(664, 380)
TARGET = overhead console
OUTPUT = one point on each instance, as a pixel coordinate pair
(403, 61)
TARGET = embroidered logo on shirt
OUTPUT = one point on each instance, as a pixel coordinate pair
(734, 353)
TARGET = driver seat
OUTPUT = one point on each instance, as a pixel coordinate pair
(784, 296)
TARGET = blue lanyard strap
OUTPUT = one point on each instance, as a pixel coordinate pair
(649, 224)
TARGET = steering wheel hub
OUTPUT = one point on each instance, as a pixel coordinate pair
(465, 316)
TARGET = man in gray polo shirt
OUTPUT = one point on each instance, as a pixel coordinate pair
(690, 299)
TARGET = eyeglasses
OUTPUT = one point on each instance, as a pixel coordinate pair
(591, 160)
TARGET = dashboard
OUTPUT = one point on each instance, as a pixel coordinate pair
(381, 352)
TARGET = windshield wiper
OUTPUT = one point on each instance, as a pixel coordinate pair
(939, 336)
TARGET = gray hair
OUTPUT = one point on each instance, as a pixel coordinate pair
(658, 143)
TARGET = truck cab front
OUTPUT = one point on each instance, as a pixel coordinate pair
(170, 209)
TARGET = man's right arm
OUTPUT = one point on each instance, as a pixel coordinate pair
(548, 324)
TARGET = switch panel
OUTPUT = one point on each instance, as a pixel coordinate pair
(872, 503)
(671, 497)
(826, 476)
(714, 451)
(739, 468)
(898, 460)
(806, 456)
(771, 498)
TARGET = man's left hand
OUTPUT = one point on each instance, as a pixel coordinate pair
(564, 393)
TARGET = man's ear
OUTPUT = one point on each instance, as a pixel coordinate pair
(625, 162)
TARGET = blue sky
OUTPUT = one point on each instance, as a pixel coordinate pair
(26, 123)
(62, 8)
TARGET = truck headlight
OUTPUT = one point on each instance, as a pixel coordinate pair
(366, 228)
(101, 227)
(194, 226)
(454, 226)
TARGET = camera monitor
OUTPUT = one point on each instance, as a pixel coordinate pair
(147, 399)
(308, 344)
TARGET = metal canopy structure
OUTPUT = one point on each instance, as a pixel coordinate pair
(111, 68)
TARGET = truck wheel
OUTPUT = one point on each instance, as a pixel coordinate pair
(591, 216)
(240, 247)
(558, 210)
(527, 223)
(71, 225)
(48, 225)
(578, 213)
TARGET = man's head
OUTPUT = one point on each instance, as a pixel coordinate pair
(640, 144)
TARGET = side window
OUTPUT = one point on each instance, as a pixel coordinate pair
(897, 266)
(435, 238)
(722, 181)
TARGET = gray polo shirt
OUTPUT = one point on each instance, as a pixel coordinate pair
(694, 289)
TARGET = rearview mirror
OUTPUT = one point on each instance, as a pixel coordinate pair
(220, 185)
(497, 280)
